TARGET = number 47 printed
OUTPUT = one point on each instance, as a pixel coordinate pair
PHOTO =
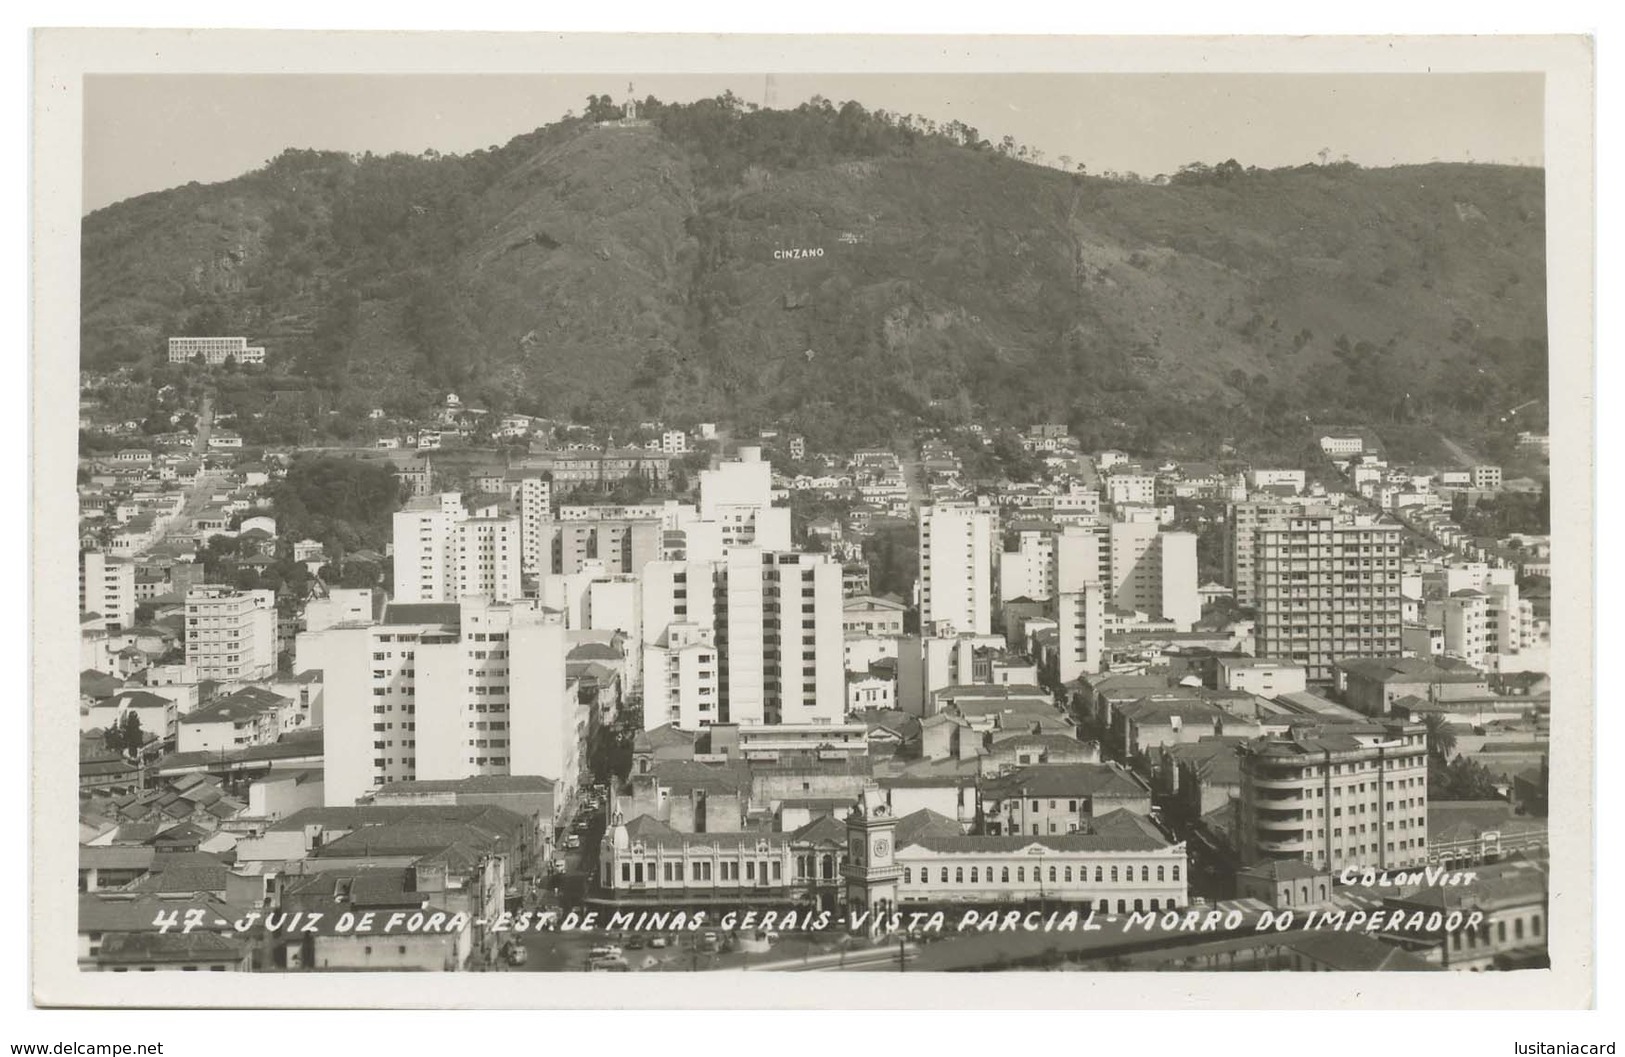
(170, 919)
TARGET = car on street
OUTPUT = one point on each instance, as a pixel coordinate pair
(658, 942)
(573, 841)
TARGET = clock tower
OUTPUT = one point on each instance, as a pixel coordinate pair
(871, 869)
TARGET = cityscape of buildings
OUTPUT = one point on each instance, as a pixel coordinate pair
(1127, 686)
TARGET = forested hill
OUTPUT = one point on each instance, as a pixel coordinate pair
(842, 270)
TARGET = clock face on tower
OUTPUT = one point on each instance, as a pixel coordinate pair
(882, 847)
(857, 850)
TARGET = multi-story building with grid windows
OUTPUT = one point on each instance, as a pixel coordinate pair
(107, 587)
(231, 634)
(956, 568)
(439, 691)
(1245, 520)
(774, 619)
(1336, 795)
(214, 351)
(442, 553)
(534, 497)
(1327, 590)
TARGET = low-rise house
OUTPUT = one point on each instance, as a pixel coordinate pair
(1143, 725)
(1512, 900)
(947, 793)
(1284, 883)
(282, 792)
(1024, 750)
(121, 934)
(1200, 777)
(1047, 799)
(1371, 685)
(251, 716)
(157, 715)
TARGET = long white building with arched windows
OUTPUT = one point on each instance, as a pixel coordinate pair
(1122, 864)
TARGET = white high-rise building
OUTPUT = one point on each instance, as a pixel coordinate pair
(1029, 570)
(446, 691)
(680, 684)
(1081, 563)
(615, 603)
(1464, 617)
(775, 620)
(1154, 572)
(107, 587)
(422, 551)
(738, 496)
(1086, 569)
(442, 554)
(534, 495)
(486, 558)
(956, 568)
(231, 634)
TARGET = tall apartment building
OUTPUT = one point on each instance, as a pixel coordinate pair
(623, 547)
(680, 684)
(485, 557)
(775, 620)
(215, 351)
(422, 547)
(1084, 570)
(1080, 601)
(738, 496)
(443, 554)
(1463, 616)
(956, 568)
(1154, 572)
(1509, 620)
(446, 691)
(1337, 795)
(1327, 590)
(534, 497)
(1028, 571)
(107, 586)
(1244, 520)
(231, 634)
(1125, 488)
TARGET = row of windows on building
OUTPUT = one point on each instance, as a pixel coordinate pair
(1473, 938)
(1061, 874)
(1408, 844)
(702, 870)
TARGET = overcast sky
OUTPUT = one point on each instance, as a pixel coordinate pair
(149, 132)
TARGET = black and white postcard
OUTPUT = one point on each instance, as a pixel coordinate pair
(707, 508)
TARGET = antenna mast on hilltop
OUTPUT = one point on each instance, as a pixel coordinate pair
(770, 93)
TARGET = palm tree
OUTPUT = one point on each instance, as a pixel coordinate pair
(1441, 739)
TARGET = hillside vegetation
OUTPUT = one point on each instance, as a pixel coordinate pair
(614, 273)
